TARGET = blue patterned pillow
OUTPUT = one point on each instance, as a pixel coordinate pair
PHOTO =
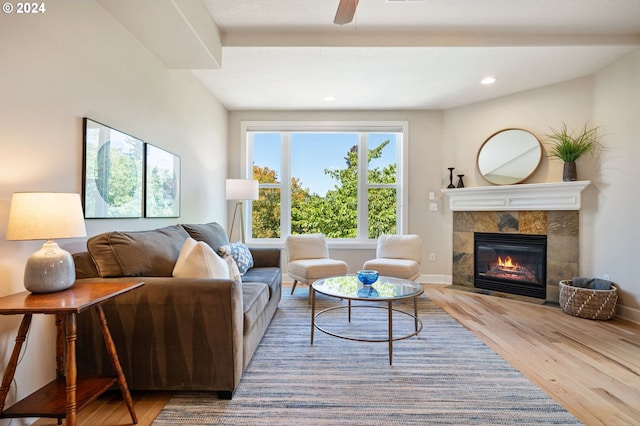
(242, 256)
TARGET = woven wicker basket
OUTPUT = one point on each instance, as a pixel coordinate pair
(588, 303)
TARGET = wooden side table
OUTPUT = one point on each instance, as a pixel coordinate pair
(67, 394)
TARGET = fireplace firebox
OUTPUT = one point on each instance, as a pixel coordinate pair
(511, 263)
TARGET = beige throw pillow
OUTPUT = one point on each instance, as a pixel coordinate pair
(198, 260)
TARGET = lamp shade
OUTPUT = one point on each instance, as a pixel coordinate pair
(45, 216)
(242, 189)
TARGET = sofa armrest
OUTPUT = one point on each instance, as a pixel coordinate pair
(171, 333)
(265, 257)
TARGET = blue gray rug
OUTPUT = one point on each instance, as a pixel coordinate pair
(445, 375)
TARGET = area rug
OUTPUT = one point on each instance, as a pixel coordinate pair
(445, 375)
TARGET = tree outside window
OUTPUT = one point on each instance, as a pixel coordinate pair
(329, 191)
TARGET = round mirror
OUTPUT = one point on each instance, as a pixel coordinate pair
(509, 156)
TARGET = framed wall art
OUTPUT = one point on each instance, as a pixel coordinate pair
(113, 164)
(162, 183)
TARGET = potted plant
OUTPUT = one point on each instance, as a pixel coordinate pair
(569, 147)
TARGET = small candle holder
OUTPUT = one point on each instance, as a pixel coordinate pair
(451, 185)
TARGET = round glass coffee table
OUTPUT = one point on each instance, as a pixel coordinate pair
(385, 290)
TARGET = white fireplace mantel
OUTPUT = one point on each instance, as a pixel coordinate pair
(535, 196)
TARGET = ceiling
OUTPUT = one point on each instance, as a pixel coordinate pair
(396, 54)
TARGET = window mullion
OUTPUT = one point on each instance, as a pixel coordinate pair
(247, 173)
(402, 190)
(363, 199)
(285, 197)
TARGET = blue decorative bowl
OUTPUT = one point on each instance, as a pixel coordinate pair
(367, 276)
(368, 291)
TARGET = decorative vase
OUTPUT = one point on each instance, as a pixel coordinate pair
(451, 185)
(460, 182)
(367, 276)
(569, 172)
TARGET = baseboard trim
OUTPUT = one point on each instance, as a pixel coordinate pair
(629, 314)
(434, 279)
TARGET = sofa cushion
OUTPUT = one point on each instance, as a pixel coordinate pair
(269, 275)
(211, 233)
(198, 260)
(255, 297)
(142, 253)
(85, 267)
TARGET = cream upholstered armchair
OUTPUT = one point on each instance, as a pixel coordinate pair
(308, 259)
(397, 256)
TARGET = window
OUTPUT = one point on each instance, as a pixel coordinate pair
(344, 181)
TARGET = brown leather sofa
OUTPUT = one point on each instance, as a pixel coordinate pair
(175, 333)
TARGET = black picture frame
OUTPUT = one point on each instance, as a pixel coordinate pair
(113, 172)
(162, 182)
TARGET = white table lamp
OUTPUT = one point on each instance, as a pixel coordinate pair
(240, 190)
(47, 216)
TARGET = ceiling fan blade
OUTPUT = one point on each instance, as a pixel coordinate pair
(346, 11)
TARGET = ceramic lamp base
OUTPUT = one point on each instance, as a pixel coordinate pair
(50, 269)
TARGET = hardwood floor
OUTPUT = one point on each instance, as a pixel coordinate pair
(592, 368)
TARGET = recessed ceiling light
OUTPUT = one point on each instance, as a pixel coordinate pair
(488, 80)
(329, 98)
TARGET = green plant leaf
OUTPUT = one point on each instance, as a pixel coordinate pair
(569, 146)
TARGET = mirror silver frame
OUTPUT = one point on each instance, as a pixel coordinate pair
(509, 156)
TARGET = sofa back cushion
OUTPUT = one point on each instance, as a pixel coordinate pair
(85, 267)
(137, 254)
(211, 233)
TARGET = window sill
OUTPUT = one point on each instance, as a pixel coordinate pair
(332, 244)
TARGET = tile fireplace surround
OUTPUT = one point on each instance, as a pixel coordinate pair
(550, 209)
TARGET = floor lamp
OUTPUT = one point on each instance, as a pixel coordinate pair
(240, 190)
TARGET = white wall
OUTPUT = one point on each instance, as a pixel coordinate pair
(613, 243)
(467, 127)
(56, 68)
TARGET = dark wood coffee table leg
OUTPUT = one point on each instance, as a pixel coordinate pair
(111, 348)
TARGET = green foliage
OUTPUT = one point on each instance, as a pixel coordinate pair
(162, 189)
(116, 176)
(336, 214)
(265, 220)
(569, 148)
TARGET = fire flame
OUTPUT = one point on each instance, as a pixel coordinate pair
(507, 263)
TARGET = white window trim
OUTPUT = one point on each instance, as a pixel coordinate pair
(325, 126)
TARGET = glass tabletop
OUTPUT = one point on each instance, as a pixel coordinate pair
(385, 288)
